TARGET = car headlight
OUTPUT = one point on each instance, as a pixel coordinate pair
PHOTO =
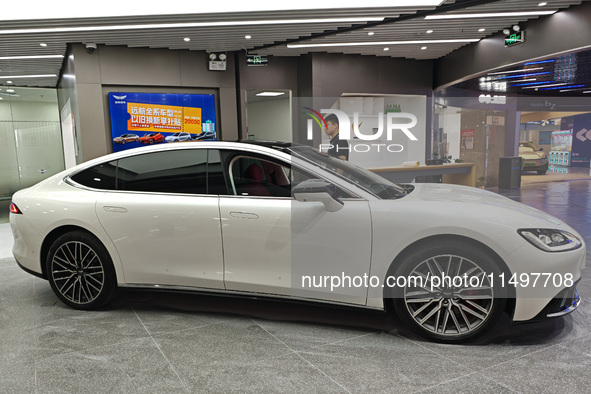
(550, 240)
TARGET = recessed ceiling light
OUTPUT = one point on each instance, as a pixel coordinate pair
(349, 44)
(588, 91)
(270, 94)
(248, 37)
(491, 14)
(9, 82)
(386, 49)
(542, 4)
(10, 90)
(43, 44)
(370, 33)
(423, 48)
(187, 39)
(429, 31)
(481, 29)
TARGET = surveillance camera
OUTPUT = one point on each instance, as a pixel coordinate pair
(90, 47)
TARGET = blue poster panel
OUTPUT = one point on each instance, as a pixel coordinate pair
(581, 151)
(155, 118)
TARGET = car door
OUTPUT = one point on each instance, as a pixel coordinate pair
(162, 220)
(272, 242)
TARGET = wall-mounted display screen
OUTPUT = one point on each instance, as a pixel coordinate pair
(152, 118)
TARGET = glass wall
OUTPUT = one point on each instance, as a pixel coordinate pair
(30, 140)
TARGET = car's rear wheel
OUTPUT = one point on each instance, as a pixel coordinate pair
(449, 310)
(80, 271)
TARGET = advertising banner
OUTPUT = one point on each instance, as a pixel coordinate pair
(467, 136)
(150, 118)
(581, 150)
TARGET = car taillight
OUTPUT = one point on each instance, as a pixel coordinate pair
(14, 209)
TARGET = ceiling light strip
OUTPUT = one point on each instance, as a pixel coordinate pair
(540, 62)
(524, 75)
(526, 80)
(28, 76)
(546, 84)
(536, 84)
(366, 43)
(564, 87)
(516, 71)
(31, 57)
(70, 9)
(491, 14)
(570, 90)
(186, 25)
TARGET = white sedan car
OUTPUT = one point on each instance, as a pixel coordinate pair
(176, 137)
(291, 222)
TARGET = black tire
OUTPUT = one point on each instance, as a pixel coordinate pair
(446, 313)
(80, 271)
(123, 142)
(541, 172)
(151, 141)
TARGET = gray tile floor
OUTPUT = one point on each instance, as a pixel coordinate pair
(168, 342)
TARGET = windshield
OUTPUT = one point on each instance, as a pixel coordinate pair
(526, 149)
(361, 177)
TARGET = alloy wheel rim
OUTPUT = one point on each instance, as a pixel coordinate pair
(77, 272)
(444, 307)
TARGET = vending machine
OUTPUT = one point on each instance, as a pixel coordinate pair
(559, 157)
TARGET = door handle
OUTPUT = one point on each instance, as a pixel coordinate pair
(115, 209)
(244, 215)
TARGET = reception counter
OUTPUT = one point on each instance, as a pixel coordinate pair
(456, 173)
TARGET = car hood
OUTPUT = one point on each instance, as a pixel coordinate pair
(480, 204)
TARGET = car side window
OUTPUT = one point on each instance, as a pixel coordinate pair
(257, 176)
(176, 171)
(102, 176)
(252, 176)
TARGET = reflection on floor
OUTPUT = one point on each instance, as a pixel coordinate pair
(162, 342)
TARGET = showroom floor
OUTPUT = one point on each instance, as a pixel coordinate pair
(162, 342)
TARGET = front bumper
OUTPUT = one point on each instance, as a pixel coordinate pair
(535, 165)
(564, 303)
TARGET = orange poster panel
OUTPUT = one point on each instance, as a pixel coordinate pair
(151, 117)
(192, 120)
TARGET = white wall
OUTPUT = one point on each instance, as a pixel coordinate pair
(451, 126)
(369, 107)
(270, 120)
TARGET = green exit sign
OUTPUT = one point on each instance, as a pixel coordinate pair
(515, 38)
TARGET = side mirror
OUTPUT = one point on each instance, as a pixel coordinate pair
(320, 191)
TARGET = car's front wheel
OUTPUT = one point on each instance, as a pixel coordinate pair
(541, 172)
(449, 293)
(80, 271)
